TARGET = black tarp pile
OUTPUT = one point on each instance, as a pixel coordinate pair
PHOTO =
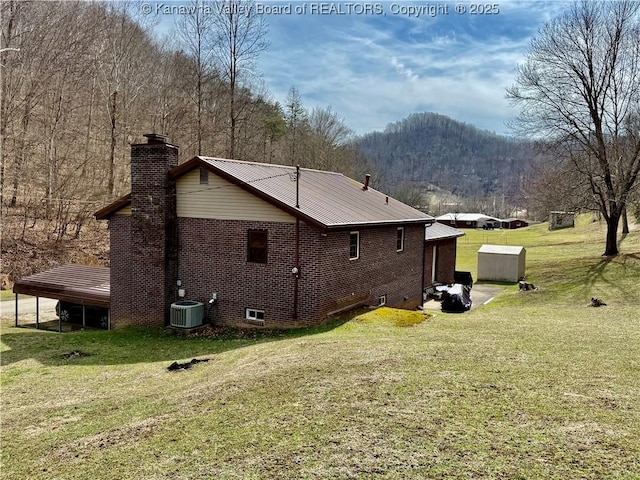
(456, 298)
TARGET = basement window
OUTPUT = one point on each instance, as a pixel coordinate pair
(254, 316)
(382, 300)
(354, 245)
(400, 239)
(204, 176)
(257, 246)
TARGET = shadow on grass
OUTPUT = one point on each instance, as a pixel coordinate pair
(132, 345)
(610, 271)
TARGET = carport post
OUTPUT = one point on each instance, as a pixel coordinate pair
(83, 316)
(16, 309)
(38, 312)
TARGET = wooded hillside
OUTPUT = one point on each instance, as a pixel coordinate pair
(433, 148)
(81, 81)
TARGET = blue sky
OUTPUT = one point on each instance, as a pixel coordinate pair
(377, 68)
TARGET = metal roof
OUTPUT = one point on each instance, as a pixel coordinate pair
(328, 199)
(113, 207)
(81, 284)
(466, 217)
(440, 231)
(501, 249)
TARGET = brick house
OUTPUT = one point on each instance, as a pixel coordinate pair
(279, 247)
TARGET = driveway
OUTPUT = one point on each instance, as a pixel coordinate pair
(480, 294)
(27, 306)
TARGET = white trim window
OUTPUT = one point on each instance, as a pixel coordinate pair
(382, 300)
(255, 316)
(354, 245)
(400, 239)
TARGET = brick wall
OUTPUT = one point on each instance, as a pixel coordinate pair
(120, 265)
(152, 262)
(213, 258)
(378, 271)
(445, 259)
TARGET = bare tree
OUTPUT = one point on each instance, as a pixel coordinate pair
(240, 39)
(195, 31)
(580, 88)
(328, 137)
(123, 73)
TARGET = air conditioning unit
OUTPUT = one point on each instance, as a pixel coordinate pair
(187, 314)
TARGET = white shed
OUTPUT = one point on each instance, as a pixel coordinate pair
(501, 263)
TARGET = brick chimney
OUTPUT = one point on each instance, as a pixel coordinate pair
(153, 230)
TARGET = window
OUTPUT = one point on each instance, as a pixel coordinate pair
(354, 245)
(400, 239)
(257, 246)
(254, 316)
(382, 300)
(204, 177)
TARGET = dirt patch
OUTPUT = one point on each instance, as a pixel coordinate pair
(74, 354)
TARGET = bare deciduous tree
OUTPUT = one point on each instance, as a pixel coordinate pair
(240, 39)
(197, 37)
(580, 89)
(328, 135)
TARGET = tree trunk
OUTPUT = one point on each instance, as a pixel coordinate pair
(22, 149)
(87, 138)
(625, 221)
(112, 155)
(613, 221)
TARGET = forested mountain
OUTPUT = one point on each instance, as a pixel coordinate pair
(435, 149)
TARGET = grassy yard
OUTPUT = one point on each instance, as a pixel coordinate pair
(533, 385)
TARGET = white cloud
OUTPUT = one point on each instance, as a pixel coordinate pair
(377, 71)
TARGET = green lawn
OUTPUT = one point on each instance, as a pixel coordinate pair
(533, 385)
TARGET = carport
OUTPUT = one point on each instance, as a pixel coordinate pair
(83, 285)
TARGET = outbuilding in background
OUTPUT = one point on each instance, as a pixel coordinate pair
(558, 220)
(501, 263)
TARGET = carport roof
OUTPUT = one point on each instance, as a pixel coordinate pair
(81, 284)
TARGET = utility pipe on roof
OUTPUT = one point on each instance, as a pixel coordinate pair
(367, 177)
(297, 186)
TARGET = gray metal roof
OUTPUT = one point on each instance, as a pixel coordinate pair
(328, 198)
(440, 231)
(81, 284)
